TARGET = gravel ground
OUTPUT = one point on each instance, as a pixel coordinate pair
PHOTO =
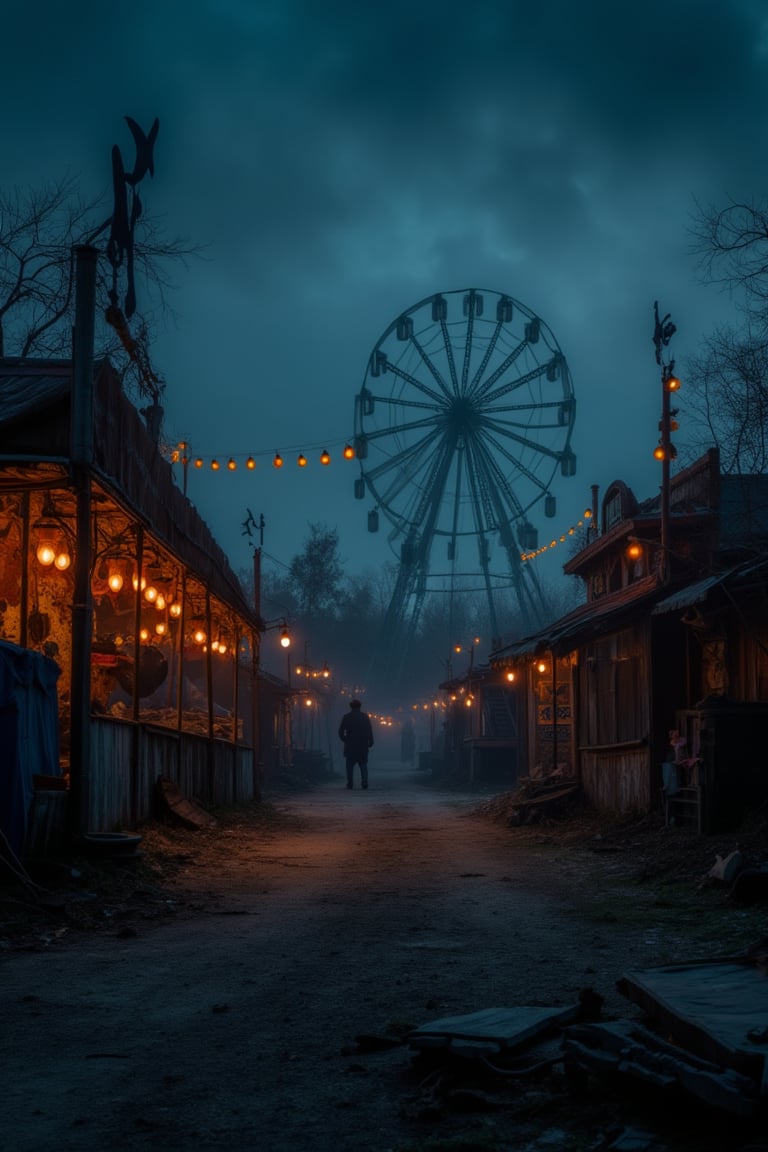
(255, 983)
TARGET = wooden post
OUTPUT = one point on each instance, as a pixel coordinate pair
(81, 454)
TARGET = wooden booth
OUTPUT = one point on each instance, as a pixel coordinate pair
(108, 569)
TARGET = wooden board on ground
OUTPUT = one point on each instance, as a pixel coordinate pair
(175, 804)
(505, 1027)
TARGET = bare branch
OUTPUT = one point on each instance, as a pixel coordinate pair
(39, 228)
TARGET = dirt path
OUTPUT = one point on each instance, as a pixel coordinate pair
(235, 1025)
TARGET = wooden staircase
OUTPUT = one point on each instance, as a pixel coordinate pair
(499, 712)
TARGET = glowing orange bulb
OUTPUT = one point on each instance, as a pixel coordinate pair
(46, 554)
(349, 452)
(324, 457)
(250, 463)
(231, 464)
(302, 460)
(278, 460)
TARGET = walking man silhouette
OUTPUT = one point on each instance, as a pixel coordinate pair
(356, 732)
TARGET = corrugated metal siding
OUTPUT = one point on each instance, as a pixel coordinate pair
(110, 806)
(183, 758)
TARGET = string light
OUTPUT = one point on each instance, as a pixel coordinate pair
(586, 515)
(178, 455)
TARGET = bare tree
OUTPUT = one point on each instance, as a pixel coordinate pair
(730, 245)
(726, 387)
(727, 400)
(39, 228)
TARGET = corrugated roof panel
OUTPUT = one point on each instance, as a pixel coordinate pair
(693, 594)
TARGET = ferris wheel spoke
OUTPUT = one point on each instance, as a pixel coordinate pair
(497, 482)
(428, 364)
(492, 426)
(518, 464)
(390, 403)
(414, 381)
(426, 477)
(486, 358)
(555, 406)
(408, 461)
(429, 506)
(397, 429)
(467, 350)
(513, 385)
(488, 384)
(456, 509)
(449, 354)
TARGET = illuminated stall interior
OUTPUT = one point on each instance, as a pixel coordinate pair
(174, 642)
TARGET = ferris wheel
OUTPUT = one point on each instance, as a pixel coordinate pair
(462, 424)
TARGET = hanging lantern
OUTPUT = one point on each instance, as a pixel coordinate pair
(51, 548)
(115, 580)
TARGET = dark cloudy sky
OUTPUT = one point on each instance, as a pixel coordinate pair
(339, 161)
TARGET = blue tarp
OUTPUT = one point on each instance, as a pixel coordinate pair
(29, 734)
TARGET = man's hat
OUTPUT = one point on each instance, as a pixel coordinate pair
(355, 704)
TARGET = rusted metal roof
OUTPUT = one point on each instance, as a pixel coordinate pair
(588, 619)
(35, 430)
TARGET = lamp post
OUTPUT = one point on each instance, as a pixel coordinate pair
(285, 642)
(665, 451)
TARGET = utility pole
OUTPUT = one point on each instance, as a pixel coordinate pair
(665, 451)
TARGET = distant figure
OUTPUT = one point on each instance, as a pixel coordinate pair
(356, 732)
(407, 743)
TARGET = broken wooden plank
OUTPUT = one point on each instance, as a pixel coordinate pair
(629, 1050)
(175, 804)
(717, 1009)
(507, 1028)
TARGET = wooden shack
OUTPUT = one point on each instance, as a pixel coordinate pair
(655, 689)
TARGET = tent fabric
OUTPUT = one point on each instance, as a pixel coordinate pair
(29, 734)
